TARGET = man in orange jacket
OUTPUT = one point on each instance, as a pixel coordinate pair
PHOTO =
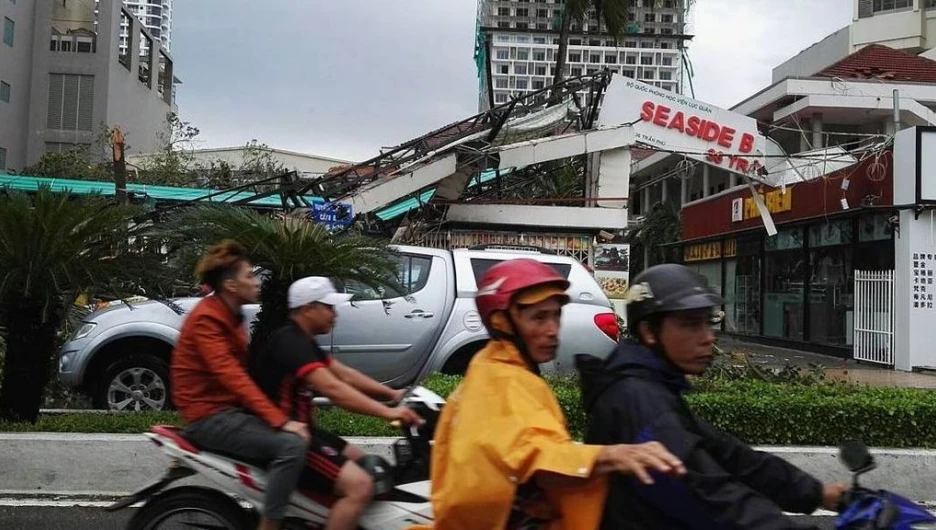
(503, 457)
(223, 408)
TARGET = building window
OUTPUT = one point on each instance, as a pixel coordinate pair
(630, 59)
(630, 44)
(523, 12)
(646, 60)
(503, 55)
(539, 40)
(71, 100)
(611, 59)
(520, 69)
(576, 72)
(667, 61)
(665, 46)
(504, 69)
(522, 25)
(539, 56)
(500, 82)
(4, 92)
(8, 28)
(666, 76)
(500, 98)
(649, 17)
(2, 159)
(542, 13)
(594, 58)
(667, 18)
(649, 31)
(503, 11)
(628, 73)
(594, 42)
(646, 44)
(540, 70)
(666, 31)
(523, 55)
(649, 74)
(883, 6)
(539, 85)
(575, 57)
(503, 25)
(521, 84)
(785, 275)
(591, 71)
(930, 4)
(575, 42)
(648, 3)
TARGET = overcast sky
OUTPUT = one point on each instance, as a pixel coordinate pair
(343, 79)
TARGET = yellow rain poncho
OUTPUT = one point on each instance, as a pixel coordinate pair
(498, 429)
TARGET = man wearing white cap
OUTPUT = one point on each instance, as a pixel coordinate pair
(292, 369)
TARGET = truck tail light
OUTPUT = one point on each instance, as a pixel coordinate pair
(607, 322)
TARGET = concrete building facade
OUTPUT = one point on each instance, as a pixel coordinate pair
(68, 79)
(523, 38)
(908, 25)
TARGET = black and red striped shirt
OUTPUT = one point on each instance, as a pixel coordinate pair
(281, 367)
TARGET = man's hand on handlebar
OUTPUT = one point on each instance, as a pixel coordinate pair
(405, 416)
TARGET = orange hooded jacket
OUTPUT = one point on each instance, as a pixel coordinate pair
(499, 428)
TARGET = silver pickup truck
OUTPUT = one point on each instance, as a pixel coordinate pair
(120, 355)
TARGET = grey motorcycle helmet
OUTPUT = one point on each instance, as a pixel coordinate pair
(667, 288)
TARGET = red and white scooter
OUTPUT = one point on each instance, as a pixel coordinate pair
(236, 488)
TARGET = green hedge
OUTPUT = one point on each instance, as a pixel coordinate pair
(761, 413)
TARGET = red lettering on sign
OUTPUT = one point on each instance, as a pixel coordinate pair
(695, 123)
(646, 112)
(726, 137)
(716, 157)
(662, 115)
(709, 131)
(747, 143)
(677, 122)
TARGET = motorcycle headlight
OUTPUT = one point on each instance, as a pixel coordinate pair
(84, 330)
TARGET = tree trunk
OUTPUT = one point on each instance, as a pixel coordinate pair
(30, 346)
(562, 54)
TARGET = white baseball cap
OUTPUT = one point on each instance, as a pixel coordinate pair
(315, 289)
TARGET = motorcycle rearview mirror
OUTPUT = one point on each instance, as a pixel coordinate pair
(856, 457)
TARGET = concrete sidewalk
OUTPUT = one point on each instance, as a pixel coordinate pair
(109, 465)
(836, 368)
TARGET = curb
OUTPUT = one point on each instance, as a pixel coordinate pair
(108, 465)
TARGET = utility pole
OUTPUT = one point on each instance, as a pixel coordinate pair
(896, 111)
(120, 165)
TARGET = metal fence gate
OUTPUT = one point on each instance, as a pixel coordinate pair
(874, 317)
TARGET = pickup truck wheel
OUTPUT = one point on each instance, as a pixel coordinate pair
(136, 383)
(457, 364)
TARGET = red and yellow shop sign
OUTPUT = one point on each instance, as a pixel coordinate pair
(777, 201)
(711, 250)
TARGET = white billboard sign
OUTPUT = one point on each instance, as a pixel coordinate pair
(672, 122)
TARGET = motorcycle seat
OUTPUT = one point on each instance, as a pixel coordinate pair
(175, 434)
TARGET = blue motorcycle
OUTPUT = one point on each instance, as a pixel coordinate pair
(865, 509)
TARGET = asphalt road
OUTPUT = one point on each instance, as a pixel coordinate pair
(78, 518)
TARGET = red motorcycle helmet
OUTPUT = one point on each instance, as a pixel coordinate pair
(521, 281)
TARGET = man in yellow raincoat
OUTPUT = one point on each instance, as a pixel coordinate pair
(503, 457)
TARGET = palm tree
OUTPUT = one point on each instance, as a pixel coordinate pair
(52, 248)
(286, 249)
(613, 13)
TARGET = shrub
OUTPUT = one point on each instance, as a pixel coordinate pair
(758, 412)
